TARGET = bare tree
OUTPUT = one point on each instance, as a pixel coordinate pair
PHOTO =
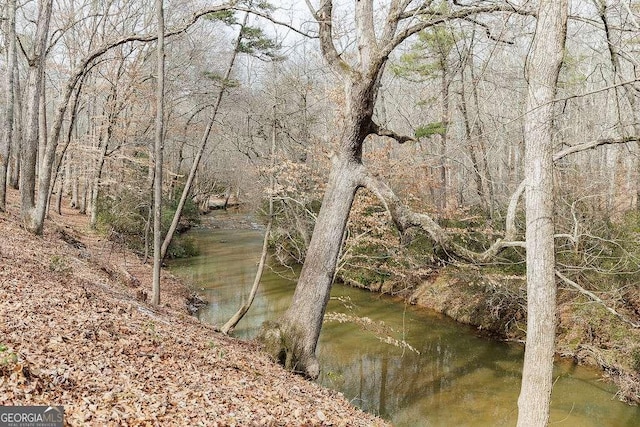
(29, 149)
(203, 142)
(543, 68)
(8, 128)
(293, 338)
(158, 148)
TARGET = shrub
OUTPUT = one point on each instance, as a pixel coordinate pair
(126, 213)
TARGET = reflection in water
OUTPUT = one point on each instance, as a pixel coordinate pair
(458, 379)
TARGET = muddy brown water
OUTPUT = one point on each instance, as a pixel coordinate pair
(449, 376)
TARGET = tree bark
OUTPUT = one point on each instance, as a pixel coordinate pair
(542, 68)
(293, 338)
(14, 176)
(7, 133)
(29, 151)
(158, 148)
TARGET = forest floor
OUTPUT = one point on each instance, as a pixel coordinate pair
(76, 330)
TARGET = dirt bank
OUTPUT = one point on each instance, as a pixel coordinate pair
(496, 303)
(76, 330)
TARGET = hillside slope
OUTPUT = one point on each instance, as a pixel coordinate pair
(75, 330)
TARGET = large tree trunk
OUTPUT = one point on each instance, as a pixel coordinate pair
(7, 134)
(29, 151)
(543, 68)
(293, 338)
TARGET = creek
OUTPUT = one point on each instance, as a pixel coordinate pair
(451, 376)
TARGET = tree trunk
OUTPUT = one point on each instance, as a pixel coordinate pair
(443, 191)
(543, 68)
(237, 317)
(478, 132)
(203, 145)
(231, 323)
(14, 178)
(42, 122)
(59, 194)
(60, 158)
(82, 207)
(96, 181)
(477, 174)
(75, 186)
(157, 182)
(29, 151)
(293, 338)
(7, 133)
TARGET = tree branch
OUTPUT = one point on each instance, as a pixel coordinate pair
(487, 31)
(401, 139)
(404, 218)
(393, 18)
(595, 298)
(273, 20)
(592, 144)
(432, 18)
(325, 22)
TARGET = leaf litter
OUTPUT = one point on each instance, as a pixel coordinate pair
(75, 331)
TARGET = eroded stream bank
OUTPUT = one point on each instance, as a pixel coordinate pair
(457, 378)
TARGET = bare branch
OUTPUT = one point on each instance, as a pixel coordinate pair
(487, 31)
(404, 219)
(275, 21)
(325, 21)
(393, 18)
(401, 139)
(595, 298)
(81, 69)
(431, 18)
(592, 144)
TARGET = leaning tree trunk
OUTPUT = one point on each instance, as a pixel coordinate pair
(543, 68)
(203, 145)
(293, 338)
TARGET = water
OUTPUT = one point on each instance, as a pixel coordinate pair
(457, 379)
